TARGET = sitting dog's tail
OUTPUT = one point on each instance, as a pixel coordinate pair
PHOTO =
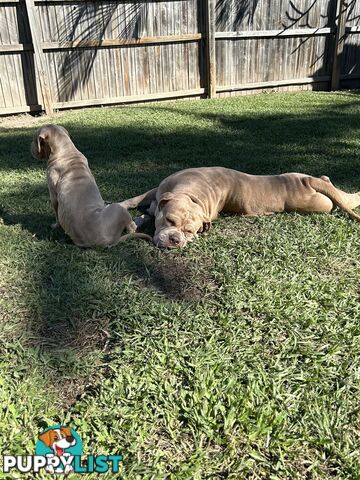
(343, 200)
(129, 236)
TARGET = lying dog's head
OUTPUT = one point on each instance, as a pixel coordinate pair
(46, 139)
(178, 220)
(58, 439)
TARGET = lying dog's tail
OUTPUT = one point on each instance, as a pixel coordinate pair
(141, 200)
(129, 236)
(343, 200)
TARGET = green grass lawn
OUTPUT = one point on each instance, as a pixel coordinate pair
(237, 357)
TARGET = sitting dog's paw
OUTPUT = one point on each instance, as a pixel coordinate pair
(131, 228)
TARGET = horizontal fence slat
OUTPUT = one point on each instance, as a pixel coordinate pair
(21, 47)
(350, 76)
(20, 109)
(119, 42)
(298, 32)
(130, 98)
(274, 83)
(16, 47)
(98, 1)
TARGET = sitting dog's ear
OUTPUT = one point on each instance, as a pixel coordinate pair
(165, 197)
(42, 143)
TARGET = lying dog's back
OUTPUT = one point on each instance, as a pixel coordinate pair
(227, 190)
(186, 202)
(231, 191)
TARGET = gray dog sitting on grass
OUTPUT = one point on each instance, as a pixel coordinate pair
(186, 202)
(75, 197)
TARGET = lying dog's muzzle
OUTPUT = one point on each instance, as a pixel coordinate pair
(173, 239)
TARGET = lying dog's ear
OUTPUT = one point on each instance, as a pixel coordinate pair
(205, 227)
(196, 200)
(165, 197)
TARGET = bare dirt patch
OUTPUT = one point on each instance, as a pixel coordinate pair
(181, 278)
(25, 120)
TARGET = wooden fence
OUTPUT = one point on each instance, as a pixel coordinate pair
(58, 54)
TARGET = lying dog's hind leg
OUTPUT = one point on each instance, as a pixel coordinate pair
(317, 203)
(141, 200)
(343, 200)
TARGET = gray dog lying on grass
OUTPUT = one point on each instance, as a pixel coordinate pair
(185, 203)
(75, 197)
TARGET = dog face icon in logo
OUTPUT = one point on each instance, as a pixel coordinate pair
(59, 441)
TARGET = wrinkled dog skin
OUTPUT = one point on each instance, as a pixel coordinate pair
(186, 202)
(75, 197)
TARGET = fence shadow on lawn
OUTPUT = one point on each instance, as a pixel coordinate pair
(69, 286)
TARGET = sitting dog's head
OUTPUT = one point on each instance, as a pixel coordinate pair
(178, 220)
(46, 139)
(58, 439)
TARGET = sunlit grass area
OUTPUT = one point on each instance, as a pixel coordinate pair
(236, 357)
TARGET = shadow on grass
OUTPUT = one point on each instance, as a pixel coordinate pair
(81, 299)
(130, 158)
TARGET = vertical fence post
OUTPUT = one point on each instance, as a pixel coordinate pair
(339, 40)
(39, 57)
(210, 48)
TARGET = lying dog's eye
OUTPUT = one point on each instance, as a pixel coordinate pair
(172, 223)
